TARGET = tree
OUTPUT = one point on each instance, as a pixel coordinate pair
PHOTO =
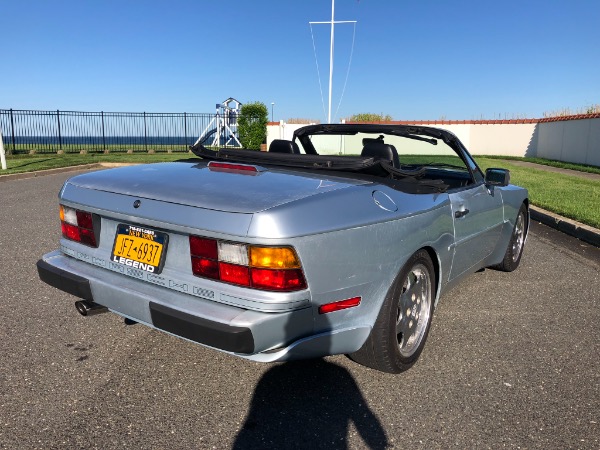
(369, 117)
(252, 125)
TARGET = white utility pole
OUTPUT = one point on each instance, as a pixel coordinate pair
(332, 22)
(2, 156)
(331, 59)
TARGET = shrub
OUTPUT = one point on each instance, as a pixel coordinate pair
(369, 117)
(252, 125)
(301, 121)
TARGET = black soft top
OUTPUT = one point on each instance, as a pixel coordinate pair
(351, 166)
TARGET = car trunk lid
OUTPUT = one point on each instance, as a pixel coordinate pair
(196, 185)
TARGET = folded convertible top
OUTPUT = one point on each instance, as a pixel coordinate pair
(331, 162)
(363, 166)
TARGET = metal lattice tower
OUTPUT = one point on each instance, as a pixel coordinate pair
(222, 129)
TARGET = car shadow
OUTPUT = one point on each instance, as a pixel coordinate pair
(308, 404)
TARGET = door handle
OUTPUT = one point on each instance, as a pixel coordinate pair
(461, 213)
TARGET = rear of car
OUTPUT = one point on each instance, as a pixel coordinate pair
(338, 242)
(237, 272)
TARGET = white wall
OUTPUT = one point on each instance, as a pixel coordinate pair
(460, 130)
(593, 149)
(576, 140)
(282, 131)
(509, 139)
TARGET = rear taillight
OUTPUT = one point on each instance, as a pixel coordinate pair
(258, 267)
(78, 226)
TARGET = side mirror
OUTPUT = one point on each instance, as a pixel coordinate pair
(497, 177)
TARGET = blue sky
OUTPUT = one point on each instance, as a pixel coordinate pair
(425, 59)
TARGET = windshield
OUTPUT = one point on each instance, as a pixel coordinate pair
(414, 151)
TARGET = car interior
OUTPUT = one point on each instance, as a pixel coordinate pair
(449, 169)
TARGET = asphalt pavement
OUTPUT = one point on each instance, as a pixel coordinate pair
(512, 361)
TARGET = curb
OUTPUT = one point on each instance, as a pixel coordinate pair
(39, 173)
(571, 227)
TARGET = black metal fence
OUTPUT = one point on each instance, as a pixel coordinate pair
(27, 131)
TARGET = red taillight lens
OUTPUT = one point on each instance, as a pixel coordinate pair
(342, 304)
(70, 232)
(78, 226)
(258, 267)
(84, 220)
(278, 280)
(205, 268)
(231, 273)
(206, 248)
(87, 237)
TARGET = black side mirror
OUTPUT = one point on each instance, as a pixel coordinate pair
(497, 177)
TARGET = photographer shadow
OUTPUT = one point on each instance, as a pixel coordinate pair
(308, 404)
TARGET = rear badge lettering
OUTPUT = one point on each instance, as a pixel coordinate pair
(156, 279)
(98, 262)
(183, 287)
(137, 270)
(134, 264)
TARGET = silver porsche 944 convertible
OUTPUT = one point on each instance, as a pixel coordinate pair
(340, 241)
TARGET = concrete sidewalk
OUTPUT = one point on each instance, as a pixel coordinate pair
(574, 173)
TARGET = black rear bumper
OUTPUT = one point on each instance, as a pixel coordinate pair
(214, 334)
(197, 329)
(65, 281)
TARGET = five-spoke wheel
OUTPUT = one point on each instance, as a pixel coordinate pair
(401, 329)
(414, 309)
(512, 257)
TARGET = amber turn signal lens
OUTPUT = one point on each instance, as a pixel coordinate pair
(62, 213)
(273, 258)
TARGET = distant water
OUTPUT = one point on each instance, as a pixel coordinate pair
(108, 140)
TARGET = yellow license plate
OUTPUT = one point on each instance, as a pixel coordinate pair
(140, 248)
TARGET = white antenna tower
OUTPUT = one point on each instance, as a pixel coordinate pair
(332, 22)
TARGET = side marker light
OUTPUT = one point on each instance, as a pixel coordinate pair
(337, 306)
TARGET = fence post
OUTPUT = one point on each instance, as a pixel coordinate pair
(103, 136)
(185, 128)
(12, 131)
(145, 133)
(2, 156)
(59, 133)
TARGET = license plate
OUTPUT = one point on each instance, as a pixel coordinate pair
(140, 248)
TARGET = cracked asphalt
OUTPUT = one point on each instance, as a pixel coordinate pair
(512, 361)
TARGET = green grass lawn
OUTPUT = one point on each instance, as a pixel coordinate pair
(569, 196)
(30, 163)
(551, 162)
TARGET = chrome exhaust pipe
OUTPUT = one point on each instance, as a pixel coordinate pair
(86, 308)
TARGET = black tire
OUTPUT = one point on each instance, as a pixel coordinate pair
(514, 251)
(408, 307)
